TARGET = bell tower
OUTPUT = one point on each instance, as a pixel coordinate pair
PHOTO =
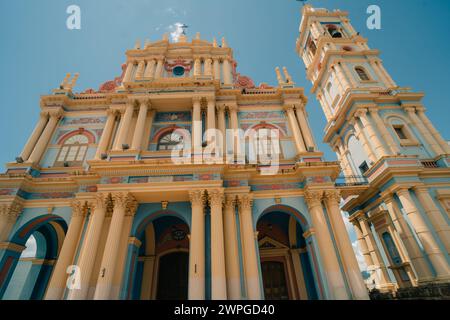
(388, 149)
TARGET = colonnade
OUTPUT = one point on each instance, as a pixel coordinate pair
(412, 236)
(301, 131)
(215, 67)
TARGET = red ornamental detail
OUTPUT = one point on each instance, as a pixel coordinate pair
(186, 64)
(244, 82)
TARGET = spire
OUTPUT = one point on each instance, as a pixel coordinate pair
(197, 36)
(165, 37)
(214, 42)
(224, 43)
(137, 45)
(147, 43)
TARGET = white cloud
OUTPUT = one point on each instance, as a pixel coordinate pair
(31, 247)
(359, 256)
(176, 31)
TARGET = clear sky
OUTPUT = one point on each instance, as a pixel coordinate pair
(37, 49)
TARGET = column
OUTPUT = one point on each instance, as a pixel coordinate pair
(363, 139)
(328, 255)
(196, 125)
(197, 247)
(197, 67)
(304, 127)
(300, 146)
(231, 249)
(251, 261)
(8, 217)
(140, 125)
(34, 136)
(208, 67)
(106, 135)
(227, 77)
(124, 127)
(369, 245)
(58, 280)
(332, 199)
(424, 132)
(124, 203)
(380, 150)
(381, 126)
(425, 236)
(44, 139)
(440, 225)
(150, 70)
(436, 135)
(88, 252)
(234, 123)
(216, 68)
(218, 274)
(128, 72)
(211, 121)
(140, 70)
(147, 278)
(414, 253)
(298, 273)
(222, 127)
(159, 68)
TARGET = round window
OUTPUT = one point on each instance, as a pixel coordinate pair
(178, 71)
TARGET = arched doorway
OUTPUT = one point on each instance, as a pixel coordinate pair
(25, 272)
(286, 268)
(162, 267)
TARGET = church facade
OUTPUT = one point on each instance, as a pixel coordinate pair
(383, 139)
(115, 215)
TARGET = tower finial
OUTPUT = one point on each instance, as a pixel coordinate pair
(279, 77)
(147, 43)
(214, 42)
(165, 37)
(224, 43)
(287, 75)
(137, 45)
(197, 36)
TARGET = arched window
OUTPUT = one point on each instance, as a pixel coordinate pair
(334, 32)
(362, 73)
(73, 151)
(170, 141)
(312, 46)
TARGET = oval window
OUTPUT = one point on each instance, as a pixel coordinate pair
(178, 71)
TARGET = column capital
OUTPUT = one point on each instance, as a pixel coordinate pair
(230, 201)
(196, 99)
(420, 189)
(197, 197)
(216, 197)
(245, 202)
(288, 107)
(122, 199)
(360, 113)
(79, 208)
(233, 107)
(111, 112)
(11, 210)
(55, 112)
(410, 109)
(313, 198)
(403, 191)
(100, 201)
(332, 195)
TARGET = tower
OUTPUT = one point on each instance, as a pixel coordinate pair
(395, 162)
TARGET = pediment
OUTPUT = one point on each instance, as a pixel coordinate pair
(269, 243)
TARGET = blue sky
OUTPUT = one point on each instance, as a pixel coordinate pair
(37, 49)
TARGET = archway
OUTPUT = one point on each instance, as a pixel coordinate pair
(163, 260)
(286, 268)
(26, 267)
